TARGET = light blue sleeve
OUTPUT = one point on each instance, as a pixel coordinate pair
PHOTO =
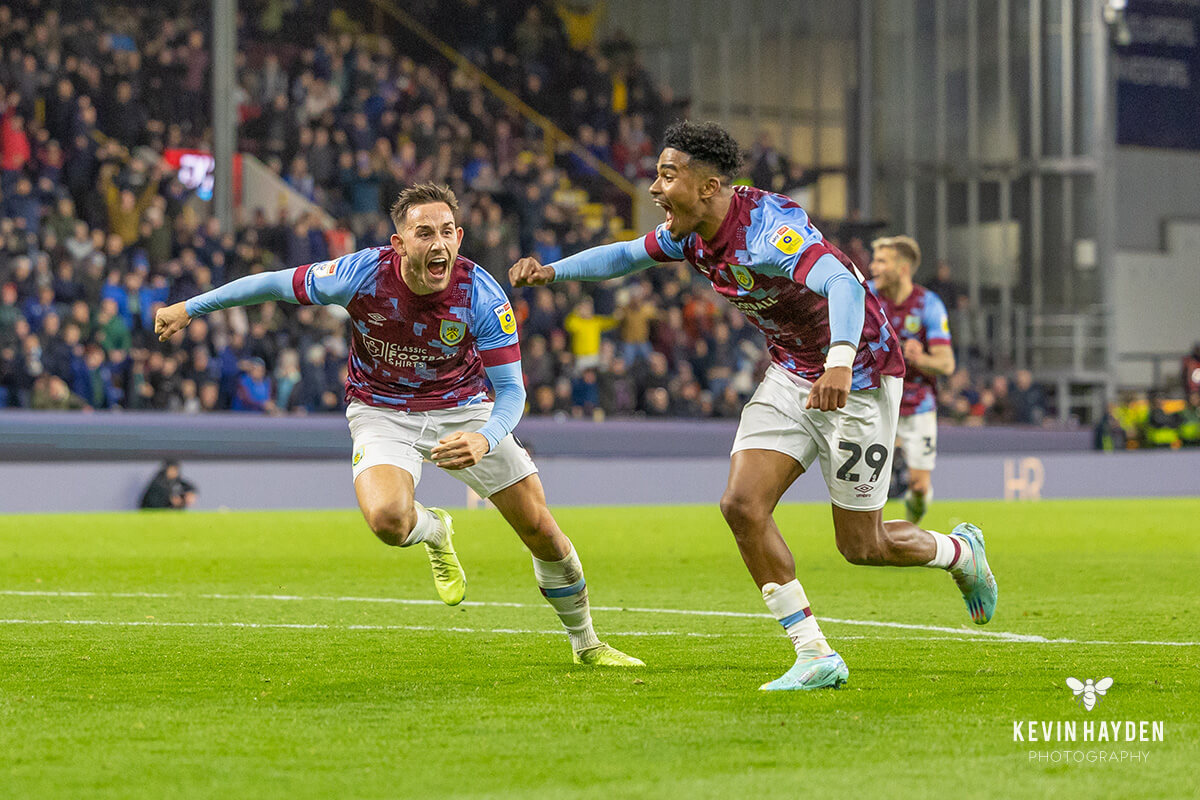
(492, 319)
(336, 282)
(509, 385)
(936, 320)
(779, 240)
(847, 311)
(323, 283)
(603, 262)
(245, 292)
(662, 247)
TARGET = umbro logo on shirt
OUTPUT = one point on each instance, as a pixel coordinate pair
(376, 319)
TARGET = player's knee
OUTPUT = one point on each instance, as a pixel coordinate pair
(741, 512)
(392, 525)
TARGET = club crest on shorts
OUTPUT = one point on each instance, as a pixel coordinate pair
(742, 276)
(452, 332)
(358, 454)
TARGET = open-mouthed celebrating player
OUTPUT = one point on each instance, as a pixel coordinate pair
(831, 393)
(428, 327)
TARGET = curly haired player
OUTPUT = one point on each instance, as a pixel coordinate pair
(832, 392)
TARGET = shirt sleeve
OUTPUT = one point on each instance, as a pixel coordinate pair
(829, 278)
(606, 261)
(661, 247)
(336, 282)
(245, 291)
(509, 385)
(937, 322)
(783, 241)
(493, 322)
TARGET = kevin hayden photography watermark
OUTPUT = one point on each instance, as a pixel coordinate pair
(1108, 741)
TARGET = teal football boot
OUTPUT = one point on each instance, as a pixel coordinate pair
(975, 581)
(823, 672)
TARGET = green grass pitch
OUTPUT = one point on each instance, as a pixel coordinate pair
(255, 655)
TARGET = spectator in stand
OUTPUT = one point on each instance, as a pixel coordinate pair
(50, 393)
(634, 318)
(254, 388)
(1027, 399)
(585, 327)
(945, 287)
(999, 410)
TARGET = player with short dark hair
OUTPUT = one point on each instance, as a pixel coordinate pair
(832, 392)
(919, 318)
(430, 328)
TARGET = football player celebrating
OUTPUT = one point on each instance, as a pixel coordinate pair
(832, 392)
(429, 329)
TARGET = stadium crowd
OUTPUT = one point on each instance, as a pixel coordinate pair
(97, 231)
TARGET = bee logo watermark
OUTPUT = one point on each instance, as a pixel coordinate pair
(1089, 692)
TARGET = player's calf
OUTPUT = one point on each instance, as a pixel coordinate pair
(864, 538)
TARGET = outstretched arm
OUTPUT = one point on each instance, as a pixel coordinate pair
(333, 282)
(245, 291)
(593, 264)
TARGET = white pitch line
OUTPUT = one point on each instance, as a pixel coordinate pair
(958, 633)
(324, 626)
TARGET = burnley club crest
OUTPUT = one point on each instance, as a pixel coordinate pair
(452, 332)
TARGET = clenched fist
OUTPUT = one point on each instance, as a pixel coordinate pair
(170, 320)
(528, 272)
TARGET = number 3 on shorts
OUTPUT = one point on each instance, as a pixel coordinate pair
(875, 456)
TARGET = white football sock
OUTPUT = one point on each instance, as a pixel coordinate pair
(952, 552)
(789, 605)
(428, 528)
(565, 589)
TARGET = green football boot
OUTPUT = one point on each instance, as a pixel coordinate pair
(604, 656)
(448, 575)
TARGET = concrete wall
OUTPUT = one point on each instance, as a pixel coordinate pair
(143, 436)
(1154, 186)
(301, 484)
(1158, 301)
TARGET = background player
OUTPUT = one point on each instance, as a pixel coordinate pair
(427, 324)
(831, 393)
(919, 318)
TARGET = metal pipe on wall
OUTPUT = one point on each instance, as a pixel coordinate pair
(866, 109)
(224, 112)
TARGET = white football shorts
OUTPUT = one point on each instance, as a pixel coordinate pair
(405, 439)
(918, 439)
(854, 443)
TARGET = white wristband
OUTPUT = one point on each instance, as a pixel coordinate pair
(840, 355)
